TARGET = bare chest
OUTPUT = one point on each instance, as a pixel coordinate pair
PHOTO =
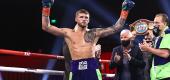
(77, 38)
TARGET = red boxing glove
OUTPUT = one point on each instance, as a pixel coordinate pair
(46, 11)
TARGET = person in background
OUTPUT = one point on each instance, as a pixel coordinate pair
(127, 58)
(160, 51)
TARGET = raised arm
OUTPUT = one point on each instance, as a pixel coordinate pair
(46, 26)
(127, 5)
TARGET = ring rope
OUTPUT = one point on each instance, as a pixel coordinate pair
(37, 71)
(21, 53)
(40, 55)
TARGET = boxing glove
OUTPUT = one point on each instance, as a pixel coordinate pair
(47, 3)
(127, 5)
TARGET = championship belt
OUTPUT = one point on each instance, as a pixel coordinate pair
(141, 26)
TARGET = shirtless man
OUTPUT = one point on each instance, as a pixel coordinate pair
(81, 41)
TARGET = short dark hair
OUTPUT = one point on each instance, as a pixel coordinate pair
(82, 11)
(164, 17)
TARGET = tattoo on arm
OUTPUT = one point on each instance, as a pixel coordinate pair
(112, 29)
(90, 36)
(119, 24)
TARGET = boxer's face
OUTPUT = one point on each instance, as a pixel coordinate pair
(82, 19)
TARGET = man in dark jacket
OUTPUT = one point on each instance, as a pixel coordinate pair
(128, 59)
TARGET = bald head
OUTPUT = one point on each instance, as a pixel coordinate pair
(125, 37)
(126, 33)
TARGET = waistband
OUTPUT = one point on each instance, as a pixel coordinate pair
(84, 64)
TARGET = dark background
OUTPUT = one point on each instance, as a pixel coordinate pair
(20, 21)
